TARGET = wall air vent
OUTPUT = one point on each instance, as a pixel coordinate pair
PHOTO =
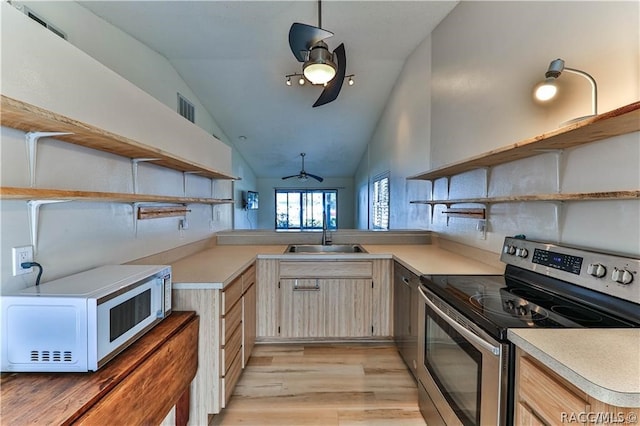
(186, 108)
(43, 22)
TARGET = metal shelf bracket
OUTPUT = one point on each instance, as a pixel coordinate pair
(31, 139)
(134, 170)
(487, 178)
(560, 164)
(34, 215)
(184, 180)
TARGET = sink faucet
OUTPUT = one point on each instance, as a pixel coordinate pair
(325, 240)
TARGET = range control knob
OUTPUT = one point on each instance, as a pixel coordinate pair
(522, 252)
(622, 276)
(597, 270)
(509, 250)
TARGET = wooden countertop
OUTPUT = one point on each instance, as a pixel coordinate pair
(121, 392)
(604, 363)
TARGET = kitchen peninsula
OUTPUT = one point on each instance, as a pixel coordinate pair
(215, 269)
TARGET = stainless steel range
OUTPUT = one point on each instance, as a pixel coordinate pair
(466, 363)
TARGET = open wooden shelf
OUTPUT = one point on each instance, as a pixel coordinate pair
(613, 123)
(30, 118)
(14, 193)
(578, 196)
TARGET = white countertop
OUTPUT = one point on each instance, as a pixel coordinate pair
(213, 268)
(604, 363)
(217, 266)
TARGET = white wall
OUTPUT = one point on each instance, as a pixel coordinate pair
(400, 145)
(485, 59)
(145, 68)
(267, 187)
(45, 70)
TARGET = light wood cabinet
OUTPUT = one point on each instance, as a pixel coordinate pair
(248, 313)
(325, 308)
(226, 338)
(318, 299)
(545, 398)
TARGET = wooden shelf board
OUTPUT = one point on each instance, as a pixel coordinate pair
(613, 123)
(13, 193)
(578, 196)
(30, 118)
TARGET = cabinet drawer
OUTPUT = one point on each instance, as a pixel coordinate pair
(230, 379)
(230, 321)
(231, 294)
(326, 269)
(248, 277)
(230, 349)
(547, 397)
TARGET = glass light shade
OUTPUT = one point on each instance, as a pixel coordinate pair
(319, 73)
(546, 90)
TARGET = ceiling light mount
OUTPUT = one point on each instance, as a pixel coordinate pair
(319, 67)
(301, 79)
(547, 89)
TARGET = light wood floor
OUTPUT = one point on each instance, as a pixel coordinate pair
(324, 385)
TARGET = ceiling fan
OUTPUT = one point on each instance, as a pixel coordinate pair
(303, 176)
(319, 65)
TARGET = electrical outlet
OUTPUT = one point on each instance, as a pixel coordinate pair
(19, 256)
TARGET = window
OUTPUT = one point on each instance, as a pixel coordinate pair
(304, 209)
(380, 202)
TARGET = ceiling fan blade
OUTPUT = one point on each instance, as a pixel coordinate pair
(332, 89)
(318, 178)
(303, 36)
(289, 177)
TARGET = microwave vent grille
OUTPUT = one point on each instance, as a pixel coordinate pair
(51, 356)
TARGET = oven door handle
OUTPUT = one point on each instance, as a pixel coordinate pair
(460, 329)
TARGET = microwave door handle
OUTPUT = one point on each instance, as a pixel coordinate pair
(460, 329)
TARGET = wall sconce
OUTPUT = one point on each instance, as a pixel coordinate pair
(547, 89)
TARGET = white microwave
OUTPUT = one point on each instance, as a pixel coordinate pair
(80, 322)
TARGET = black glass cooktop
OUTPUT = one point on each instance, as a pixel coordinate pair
(497, 302)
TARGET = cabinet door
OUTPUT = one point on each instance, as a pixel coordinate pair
(325, 308)
(249, 323)
(301, 308)
(543, 397)
(268, 298)
(526, 416)
(347, 305)
(382, 310)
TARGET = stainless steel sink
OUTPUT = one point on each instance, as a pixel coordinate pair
(319, 249)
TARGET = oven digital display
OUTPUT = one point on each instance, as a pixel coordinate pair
(561, 261)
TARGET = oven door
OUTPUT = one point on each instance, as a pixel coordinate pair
(462, 369)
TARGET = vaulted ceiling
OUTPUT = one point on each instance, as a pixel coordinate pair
(235, 54)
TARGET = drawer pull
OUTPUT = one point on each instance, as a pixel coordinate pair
(298, 288)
